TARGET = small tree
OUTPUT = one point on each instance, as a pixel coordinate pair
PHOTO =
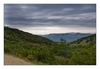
(63, 41)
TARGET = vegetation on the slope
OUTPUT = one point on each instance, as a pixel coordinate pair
(41, 50)
(85, 41)
(16, 35)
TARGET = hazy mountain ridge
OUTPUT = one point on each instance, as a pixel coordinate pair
(67, 36)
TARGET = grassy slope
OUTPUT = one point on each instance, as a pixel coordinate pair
(84, 49)
(85, 41)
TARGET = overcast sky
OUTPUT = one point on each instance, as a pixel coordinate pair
(51, 18)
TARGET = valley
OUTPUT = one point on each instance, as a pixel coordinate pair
(43, 51)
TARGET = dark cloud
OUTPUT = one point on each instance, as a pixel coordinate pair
(28, 15)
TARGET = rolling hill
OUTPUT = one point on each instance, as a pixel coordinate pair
(85, 41)
(40, 50)
(11, 34)
(27, 46)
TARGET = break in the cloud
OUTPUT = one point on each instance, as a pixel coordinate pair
(51, 18)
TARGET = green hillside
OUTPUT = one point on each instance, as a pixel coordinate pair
(16, 35)
(85, 41)
(40, 50)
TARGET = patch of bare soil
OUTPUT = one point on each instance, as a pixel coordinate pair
(11, 60)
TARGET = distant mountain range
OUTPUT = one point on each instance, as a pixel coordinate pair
(69, 37)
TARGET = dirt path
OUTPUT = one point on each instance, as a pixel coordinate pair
(11, 60)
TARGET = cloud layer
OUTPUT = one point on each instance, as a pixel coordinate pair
(42, 16)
